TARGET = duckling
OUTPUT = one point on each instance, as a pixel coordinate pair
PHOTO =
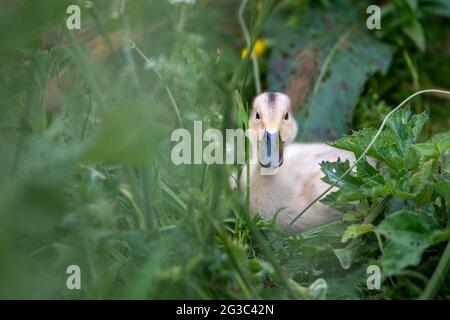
(285, 177)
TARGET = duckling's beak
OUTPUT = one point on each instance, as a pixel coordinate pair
(271, 150)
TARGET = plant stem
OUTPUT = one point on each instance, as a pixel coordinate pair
(249, 46)
(377, 210)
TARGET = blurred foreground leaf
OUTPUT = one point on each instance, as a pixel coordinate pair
(129, 134)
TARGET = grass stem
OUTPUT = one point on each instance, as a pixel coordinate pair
(248, 40)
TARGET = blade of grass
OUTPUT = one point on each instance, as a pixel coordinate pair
(84, 65)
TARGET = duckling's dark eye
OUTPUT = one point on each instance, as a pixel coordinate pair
(257, 116)
(286, 116)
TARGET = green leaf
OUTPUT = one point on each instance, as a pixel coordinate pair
(345, 55)
(406, 128)
(442, 187)
(334, 170)
(438, 7)
(317, 290)
(415, 32)
(355, 230)
(384, 149)
(365, 183)
(345, 257)
(358, 141)
(130, 134)
(438, 145)
(439, 236)
(420, 178)
(409, 234)
(412, 4)
(395, 145)
(336, 200)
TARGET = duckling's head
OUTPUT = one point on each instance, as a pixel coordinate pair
(272, 119)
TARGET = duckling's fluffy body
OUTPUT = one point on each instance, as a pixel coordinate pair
(294, 186)
(288, 186)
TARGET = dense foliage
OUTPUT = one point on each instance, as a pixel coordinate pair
(86, 177)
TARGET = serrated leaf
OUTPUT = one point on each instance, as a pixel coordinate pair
(406, 128)
(438, 145)
(334, 170)
(365, 183)
(384, 148)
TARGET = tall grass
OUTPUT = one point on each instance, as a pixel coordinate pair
(93, 184)
(86, 176)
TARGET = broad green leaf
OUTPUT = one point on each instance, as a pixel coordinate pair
(130, 134)
(409, 234)
(343, 57)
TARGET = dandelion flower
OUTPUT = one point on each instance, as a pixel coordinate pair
(259, 48)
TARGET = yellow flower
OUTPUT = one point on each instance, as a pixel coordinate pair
(259, 48)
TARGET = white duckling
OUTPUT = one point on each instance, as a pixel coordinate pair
(285, 176)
